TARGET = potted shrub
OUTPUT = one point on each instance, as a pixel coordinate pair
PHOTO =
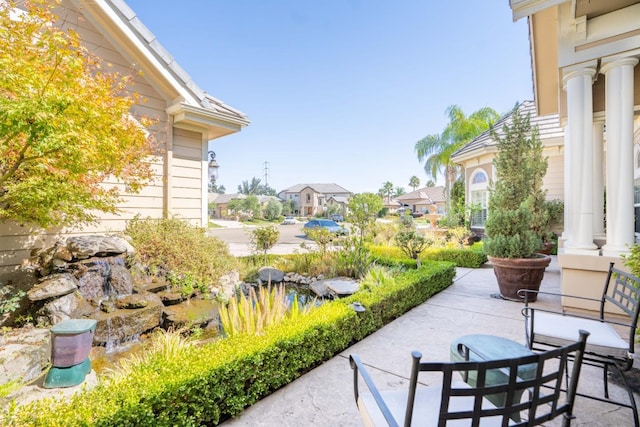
(514, 202)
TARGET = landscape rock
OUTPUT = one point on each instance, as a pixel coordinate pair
(170, 298)
(56, 285)
(72, 305)
(99, 278)
(24, 354)
(122, 324)
(270, 274)
(82, 247)
(335, 287)
(228, 284)
(131, 302)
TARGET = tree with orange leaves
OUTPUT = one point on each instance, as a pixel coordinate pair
(65, 124)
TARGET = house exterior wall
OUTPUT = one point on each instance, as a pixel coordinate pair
(186, 176)
(595, 66)
(308, 202)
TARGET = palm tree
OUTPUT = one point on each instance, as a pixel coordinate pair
(414, 182)
(247, 187)
(387, 189)
(398, 191)
(436, 150)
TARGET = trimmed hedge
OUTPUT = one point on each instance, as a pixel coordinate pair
(208, 384)
(472, 257)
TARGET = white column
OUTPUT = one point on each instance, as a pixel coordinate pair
(619, 175)
(567, 183)
(578, 85)
(598, 180)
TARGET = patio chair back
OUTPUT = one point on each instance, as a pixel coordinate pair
(454, 402)
(606, 348)
(624, 294)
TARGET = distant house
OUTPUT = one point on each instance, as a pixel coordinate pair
(221, 203)
(187, 118)
(424, 200)
(477, 159)
(392, 205)
(311, 199)
(341, 202)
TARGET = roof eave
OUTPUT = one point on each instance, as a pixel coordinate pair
(138, 44)
(217, 124)
(523, 8)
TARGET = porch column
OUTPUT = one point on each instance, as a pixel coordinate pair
(567, 184)
(578, 83)
(619, 175)
(598, 179)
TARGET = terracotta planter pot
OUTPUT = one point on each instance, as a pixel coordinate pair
(514, 274)
(546, 249)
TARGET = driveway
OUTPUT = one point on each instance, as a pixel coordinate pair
(237, 236)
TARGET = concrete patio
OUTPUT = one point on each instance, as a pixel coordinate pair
(324, 396)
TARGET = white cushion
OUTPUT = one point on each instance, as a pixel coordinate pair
(425, 409)
(559, 330)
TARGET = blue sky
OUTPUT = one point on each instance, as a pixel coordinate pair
(340, 90)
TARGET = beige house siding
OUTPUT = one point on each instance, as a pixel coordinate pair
(186, 176)
(554, 179)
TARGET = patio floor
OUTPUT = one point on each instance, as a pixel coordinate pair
(324, 396)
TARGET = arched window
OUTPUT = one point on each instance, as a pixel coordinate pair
(479, 178)
(479, 196)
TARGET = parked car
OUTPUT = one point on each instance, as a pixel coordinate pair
(327, 224)
(288, 220)
(337, 217)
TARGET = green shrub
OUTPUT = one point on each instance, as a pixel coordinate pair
(264, 238)
(470, 257)
(10, 299)
(182, 253)
(412, 243)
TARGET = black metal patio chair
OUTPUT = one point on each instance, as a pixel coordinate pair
(456, 403)
(607, 348)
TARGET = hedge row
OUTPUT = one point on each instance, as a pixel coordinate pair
(207, 384)
(471, 257)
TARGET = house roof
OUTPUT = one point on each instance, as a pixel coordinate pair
(188, 103)
(339, 199)
(266, 199)
(225, 198)
(318, 188)
(548, 127)
(430, 195)
(393, 203)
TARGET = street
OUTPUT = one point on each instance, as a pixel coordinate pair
(237, 236)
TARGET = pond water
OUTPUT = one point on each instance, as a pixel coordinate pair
(105, 358)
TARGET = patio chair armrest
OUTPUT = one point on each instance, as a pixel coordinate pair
(360, 370)
(526, 292)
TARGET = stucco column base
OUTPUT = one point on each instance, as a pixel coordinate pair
(613, 251)
(585, 276)
(579, 251)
